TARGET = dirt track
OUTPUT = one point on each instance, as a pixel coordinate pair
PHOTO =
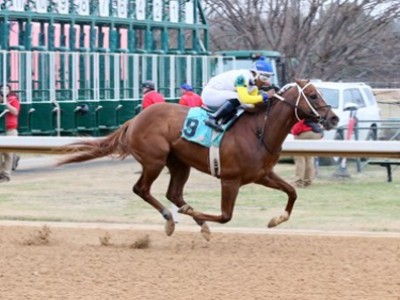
(110, 263)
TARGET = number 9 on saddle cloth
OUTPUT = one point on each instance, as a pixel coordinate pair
(196, 130)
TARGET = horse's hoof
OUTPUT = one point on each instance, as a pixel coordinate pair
(272, 223)
(169, 227)
(278, 220)
(205, 232)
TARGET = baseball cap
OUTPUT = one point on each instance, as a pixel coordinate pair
(187, 87)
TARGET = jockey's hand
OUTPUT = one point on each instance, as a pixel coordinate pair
(270, 87)
(271, 93)
(265, 97)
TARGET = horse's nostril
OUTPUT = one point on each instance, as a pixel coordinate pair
(335, 120)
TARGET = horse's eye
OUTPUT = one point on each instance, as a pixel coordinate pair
(314, 96)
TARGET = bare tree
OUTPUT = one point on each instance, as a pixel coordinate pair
(327, 39)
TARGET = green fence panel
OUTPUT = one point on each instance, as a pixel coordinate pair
(24, 119)
(42, 120)
(68, 121)
(87, 118)
(2, 119)
(108, 116)
(175, 100)
(128, 110)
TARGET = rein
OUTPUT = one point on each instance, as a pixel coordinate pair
(260, 130)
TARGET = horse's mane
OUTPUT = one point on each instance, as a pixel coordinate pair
(260, 107)
(285, 88)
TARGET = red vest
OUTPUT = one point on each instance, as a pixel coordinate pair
(300, 127)
(11, 120)
(190, 99)
(150, 98)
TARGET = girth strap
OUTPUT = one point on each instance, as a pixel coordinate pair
(214, 159)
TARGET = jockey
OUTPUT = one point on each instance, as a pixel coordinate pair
(228, 90)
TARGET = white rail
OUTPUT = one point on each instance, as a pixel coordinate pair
(51, 145)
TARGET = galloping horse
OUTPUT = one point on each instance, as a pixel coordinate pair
(248, 151)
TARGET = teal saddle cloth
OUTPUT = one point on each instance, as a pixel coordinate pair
(195, 130)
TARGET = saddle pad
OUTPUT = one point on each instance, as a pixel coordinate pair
(195, 130)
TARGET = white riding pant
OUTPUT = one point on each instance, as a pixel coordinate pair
(215, 98)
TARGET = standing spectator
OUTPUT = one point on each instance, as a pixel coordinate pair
(305, 129)
(150, 95)
(11, 101)
(189, 98)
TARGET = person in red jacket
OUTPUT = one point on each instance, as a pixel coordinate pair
(150, 95)
(189, 97)
(12, 105)
(305, 129)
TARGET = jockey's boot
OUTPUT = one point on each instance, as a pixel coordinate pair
(222, 113)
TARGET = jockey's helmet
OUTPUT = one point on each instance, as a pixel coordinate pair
(263, 69)
(148, 85)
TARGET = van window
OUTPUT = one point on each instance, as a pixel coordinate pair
(370, 96)
(353, 96)
(331, 96)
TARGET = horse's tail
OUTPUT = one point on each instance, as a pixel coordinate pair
(114, 143)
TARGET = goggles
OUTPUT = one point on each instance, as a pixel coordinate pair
(264, 77)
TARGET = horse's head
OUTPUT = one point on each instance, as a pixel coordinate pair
(309, 103)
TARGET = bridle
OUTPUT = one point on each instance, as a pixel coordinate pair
(300, 92)
(316, 115)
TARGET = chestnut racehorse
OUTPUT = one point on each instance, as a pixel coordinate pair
(248, 151)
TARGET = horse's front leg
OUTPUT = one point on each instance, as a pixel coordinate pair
(229, 192)
(272, 180)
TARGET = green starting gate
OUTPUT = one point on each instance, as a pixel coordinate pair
(77, 65)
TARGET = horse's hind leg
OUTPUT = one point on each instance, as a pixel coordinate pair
(179, 172)
(142, 189)
(273, 181)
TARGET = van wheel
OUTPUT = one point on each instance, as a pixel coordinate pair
(372, 134)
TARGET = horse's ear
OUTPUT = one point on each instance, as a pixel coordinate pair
(302, 82)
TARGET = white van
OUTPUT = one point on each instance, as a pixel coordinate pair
(343, 97)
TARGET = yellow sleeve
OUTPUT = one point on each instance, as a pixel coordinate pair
(254, 92)
(247, 98)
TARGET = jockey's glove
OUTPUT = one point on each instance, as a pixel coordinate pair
(264, 97)
(270, 87)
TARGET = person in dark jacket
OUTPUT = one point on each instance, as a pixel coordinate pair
(305, 129)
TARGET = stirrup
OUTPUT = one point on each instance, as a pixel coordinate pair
(214, 125)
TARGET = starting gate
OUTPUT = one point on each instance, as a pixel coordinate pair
(77, 65)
